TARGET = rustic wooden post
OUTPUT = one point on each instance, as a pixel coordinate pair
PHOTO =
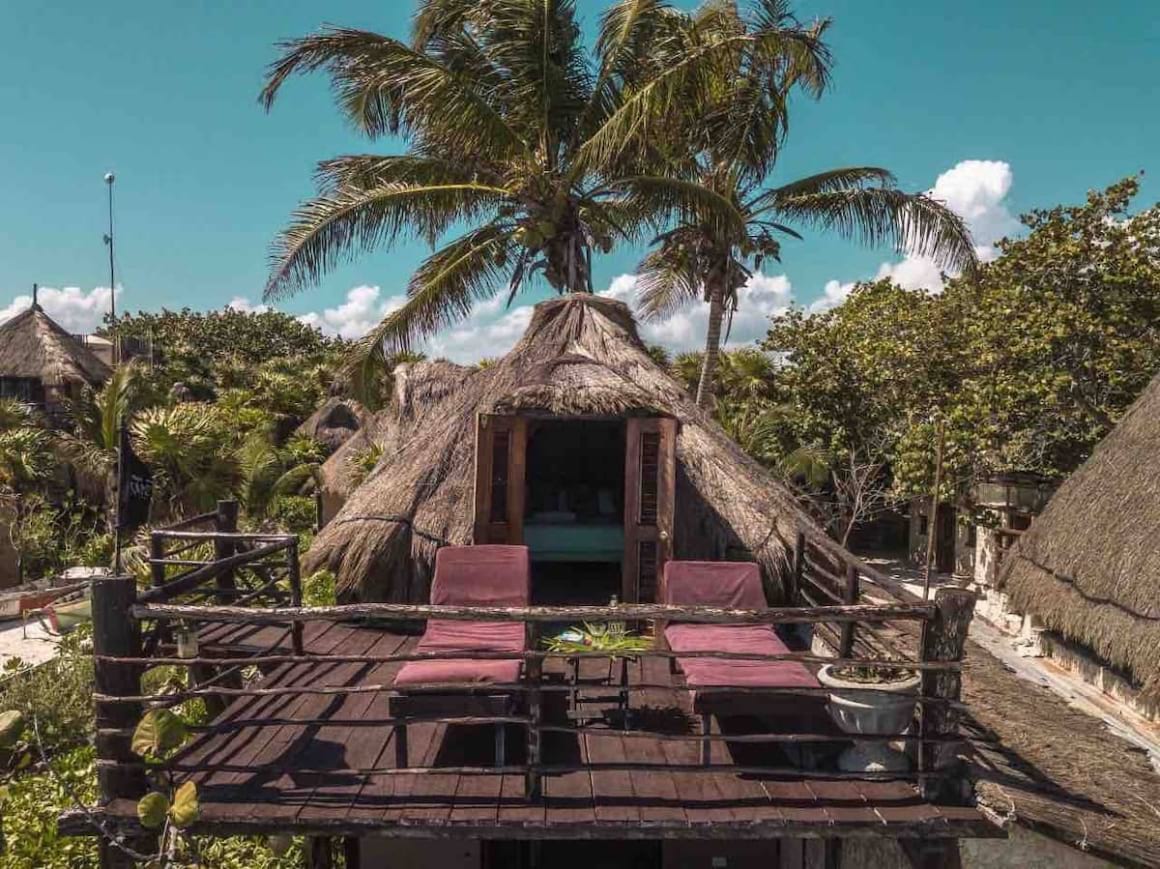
(320, 856)
(793, 593)
(295, 576)
(850, 595)
(943, 639)
(156, 555)
(116, 634)
(533, 668)
(352, 851)
(225, 522)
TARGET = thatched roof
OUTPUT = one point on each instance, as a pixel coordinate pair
(335, 422)
(580, 355)
(33, 345)
(418, 386)
(1089, 567)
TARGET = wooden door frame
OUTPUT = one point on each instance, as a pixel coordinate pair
(634, 532)
(511, 529)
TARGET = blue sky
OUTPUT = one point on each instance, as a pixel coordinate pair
(1034, 102)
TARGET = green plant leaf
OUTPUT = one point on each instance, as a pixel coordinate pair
(185, 808)
(151, 810)
(158, 732)
(11, 726)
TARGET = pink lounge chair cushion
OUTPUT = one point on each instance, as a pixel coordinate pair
(490, 575)
(755, 639)
(454, 671)
(726, 584)
(443, 635)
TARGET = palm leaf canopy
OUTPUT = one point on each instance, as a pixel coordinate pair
(735, 136)
(524, 151)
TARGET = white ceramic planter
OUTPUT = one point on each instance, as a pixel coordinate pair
(888, 709)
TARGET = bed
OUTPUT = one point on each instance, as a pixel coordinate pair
(558, 541)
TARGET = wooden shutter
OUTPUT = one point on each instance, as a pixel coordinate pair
(500, 454)
(650, 474)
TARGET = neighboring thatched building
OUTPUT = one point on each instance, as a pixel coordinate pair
(42, 364)
(335, 422)
(417, 387)
(1089, 567)
(578, 444)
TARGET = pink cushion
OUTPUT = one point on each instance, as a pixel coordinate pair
(727, 584)
(754, 639)
(443, 635)
(458, 670)
(481, 576)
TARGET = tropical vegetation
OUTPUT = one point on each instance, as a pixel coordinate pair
(1025, 365)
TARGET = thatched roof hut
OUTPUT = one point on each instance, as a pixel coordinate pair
(580, 358)
(35, 347)
(334, 422)
(1089, 567)
(417, 387)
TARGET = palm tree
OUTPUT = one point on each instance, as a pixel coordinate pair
(512, 132)
(97, 416)
(735, 139)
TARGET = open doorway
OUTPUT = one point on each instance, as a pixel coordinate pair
(574, 509)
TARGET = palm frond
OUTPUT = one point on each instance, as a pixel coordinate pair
(328, 228)
(832, 181)
(442, 290)
(370, 171)
(664, 284)
(385, 86)
(661, 195)
(910, 223)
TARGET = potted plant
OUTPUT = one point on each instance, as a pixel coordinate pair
(877, 700)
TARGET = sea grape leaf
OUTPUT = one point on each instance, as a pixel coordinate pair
(152, 809)
(157, 732)
(185, 809)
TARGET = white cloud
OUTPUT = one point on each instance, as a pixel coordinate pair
(77, 311)
(492, 329)
(976, 190)
(360, 313)
(833, 294)
(241, 303)
(762, 297)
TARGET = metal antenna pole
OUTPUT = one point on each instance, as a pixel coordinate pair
(109, 179)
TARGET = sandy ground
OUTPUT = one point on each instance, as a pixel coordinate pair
(33, 646)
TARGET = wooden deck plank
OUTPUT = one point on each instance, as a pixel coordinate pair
(312, 746)
(613, 797)
(267, 790)
(656, 792)
(361, 745)
(253, 793)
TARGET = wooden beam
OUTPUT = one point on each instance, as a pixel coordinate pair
(624, 612)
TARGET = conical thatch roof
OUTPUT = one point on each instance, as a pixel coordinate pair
(335, 422)
(580, 355)
(1089, 567)
(418, 386)
(33, 345)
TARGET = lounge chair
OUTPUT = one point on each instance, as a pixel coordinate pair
(467, 576)
(730, 585)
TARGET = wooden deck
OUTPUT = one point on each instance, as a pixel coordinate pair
(333, 776)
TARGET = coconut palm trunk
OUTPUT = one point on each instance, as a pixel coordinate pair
(712, 346)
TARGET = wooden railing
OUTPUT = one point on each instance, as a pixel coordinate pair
(932, 645)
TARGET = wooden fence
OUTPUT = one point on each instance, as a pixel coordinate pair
(204, 572)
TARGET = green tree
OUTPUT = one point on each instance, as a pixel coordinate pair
(734, 134)
(513, 132)
(1028, 363)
